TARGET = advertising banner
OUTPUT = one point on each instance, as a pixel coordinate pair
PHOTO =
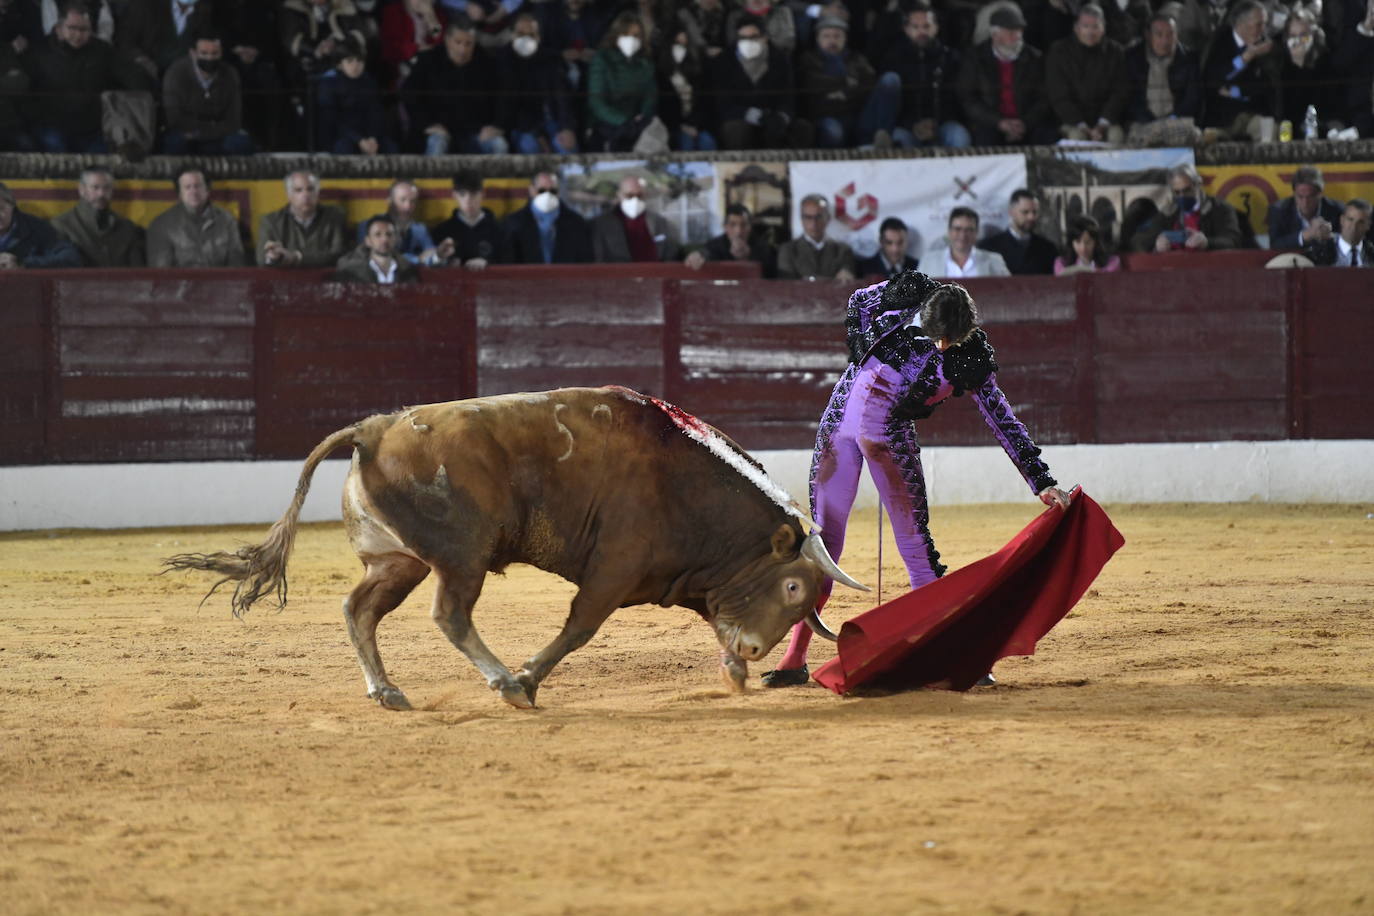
(920, 192)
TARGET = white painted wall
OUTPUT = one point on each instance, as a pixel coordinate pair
(251, 492)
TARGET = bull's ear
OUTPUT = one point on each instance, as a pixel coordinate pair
(784, 542)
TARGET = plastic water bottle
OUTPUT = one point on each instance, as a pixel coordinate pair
(1309, 123)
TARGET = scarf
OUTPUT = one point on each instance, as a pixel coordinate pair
(1158, 98)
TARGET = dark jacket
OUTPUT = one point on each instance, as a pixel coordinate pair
(572, 239)
(67, 83)
(826, 94)
(1219, 222)
(929, 77)
(148, 29)
(1183, 83)
(1315, 84)
(202, 113)
(460, 98)
(1323, 253)
(480, 241)
(698, 108)
(735, 93)
(980, 87)
(536, 91)
(120, 243)
(718, 250)
(1255, 83)
(609, 244)
(14, 87)
(1285, 225)
(1035, 257)
(322, 244)
(1087, 84)
(36, 243)
(301, 33)
(620, 88)
(353, 268)
(349, 108)
(874, 266)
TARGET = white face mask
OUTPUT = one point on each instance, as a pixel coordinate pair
(679, 53)
(545, 202)
(628, 45)
(632, 207)
(750, 48)
(525, 45)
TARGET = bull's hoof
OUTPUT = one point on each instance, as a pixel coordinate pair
(787, 677)
(526, 680)
(516, 695)
(735, 673)
(391, 698)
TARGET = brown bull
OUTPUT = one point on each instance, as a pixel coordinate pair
(630, 499)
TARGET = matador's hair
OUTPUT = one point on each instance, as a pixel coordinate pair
(949, 313)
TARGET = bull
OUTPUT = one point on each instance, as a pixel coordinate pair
(627, 497)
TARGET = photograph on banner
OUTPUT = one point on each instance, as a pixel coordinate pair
(919, 192)
(1253, 189)
(760, 186)
(1111, 186)
(684, 193)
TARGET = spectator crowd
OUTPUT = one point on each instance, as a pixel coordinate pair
(371, 77)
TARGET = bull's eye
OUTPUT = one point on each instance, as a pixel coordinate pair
(792, 588)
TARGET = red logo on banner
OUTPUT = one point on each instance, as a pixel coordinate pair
(865, 207)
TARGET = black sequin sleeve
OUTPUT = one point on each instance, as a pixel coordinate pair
(970, 364)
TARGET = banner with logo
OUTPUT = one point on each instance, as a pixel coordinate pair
(1253, 189)
(920, 192)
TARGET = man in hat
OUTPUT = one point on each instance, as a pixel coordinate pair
(1002, 87)
(836, 84)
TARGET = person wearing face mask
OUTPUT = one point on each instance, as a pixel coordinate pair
(1306, 76)
(684, 104)
(755, 94)
(1192, 221)
(543, 231)
(622, 91)
(537, 110)
(630, 232)
(203, 104)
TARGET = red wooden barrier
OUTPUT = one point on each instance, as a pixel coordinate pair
(177, 365)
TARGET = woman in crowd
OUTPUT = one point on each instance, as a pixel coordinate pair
(1083, 249)
(622, 91)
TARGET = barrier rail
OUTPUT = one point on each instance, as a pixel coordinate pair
(109, 366)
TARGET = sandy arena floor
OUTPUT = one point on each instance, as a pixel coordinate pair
(1198, 737)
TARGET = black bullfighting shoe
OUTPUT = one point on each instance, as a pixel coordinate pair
(986, 680)
(786, 677)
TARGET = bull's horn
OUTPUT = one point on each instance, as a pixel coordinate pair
(813, 549)
(813, 620)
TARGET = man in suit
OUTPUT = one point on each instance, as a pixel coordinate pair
(956, 256)
(629, 231)
(1306, 217)
(1351, 247)
(1023, 249)
(1242, 72)
(891, 257)
(543, 231)
(813, 256)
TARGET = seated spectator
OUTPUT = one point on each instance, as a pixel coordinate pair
(1165, 97)
(449, 99)
(14, 86)
(408, 29)
(543, 231)
(1306, 217)
(376, 259)
(1240, 75)
(1351, 247)
(630, 231)
(1023, 250)
(1354, 65)
(1194, 20)
(194, 232)
(349, 109)
(736, 243)
(155, 34)
(891, 257)
(776, 21)
(68, 73)
(537, 109)
(102, 19)
(704, 23)
(917, 86)
(755, 95)
(104, 238)
(622, 94)
(683, 100)
(1306, 76)
(249, 31)
(203, 104)
(836, 85)
(815, 256)
(1193, 221)
(575, 29)
(1002, 88)
(1085, 251)
(1085, 77)
(303, 233)
(313, 31)
(472, 231)
(28, 241)
(957, 256)
(412, 240)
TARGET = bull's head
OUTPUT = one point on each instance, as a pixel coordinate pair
(757, 607)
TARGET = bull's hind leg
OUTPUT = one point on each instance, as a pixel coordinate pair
(387, 580)
(453, 602)
(589, 611)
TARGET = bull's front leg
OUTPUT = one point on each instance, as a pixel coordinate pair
(734, 671)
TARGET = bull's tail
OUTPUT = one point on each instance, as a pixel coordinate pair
(260, 570)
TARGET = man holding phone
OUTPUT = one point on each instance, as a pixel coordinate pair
(1192, 221)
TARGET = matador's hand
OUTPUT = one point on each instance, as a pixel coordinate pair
(1053, 496)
